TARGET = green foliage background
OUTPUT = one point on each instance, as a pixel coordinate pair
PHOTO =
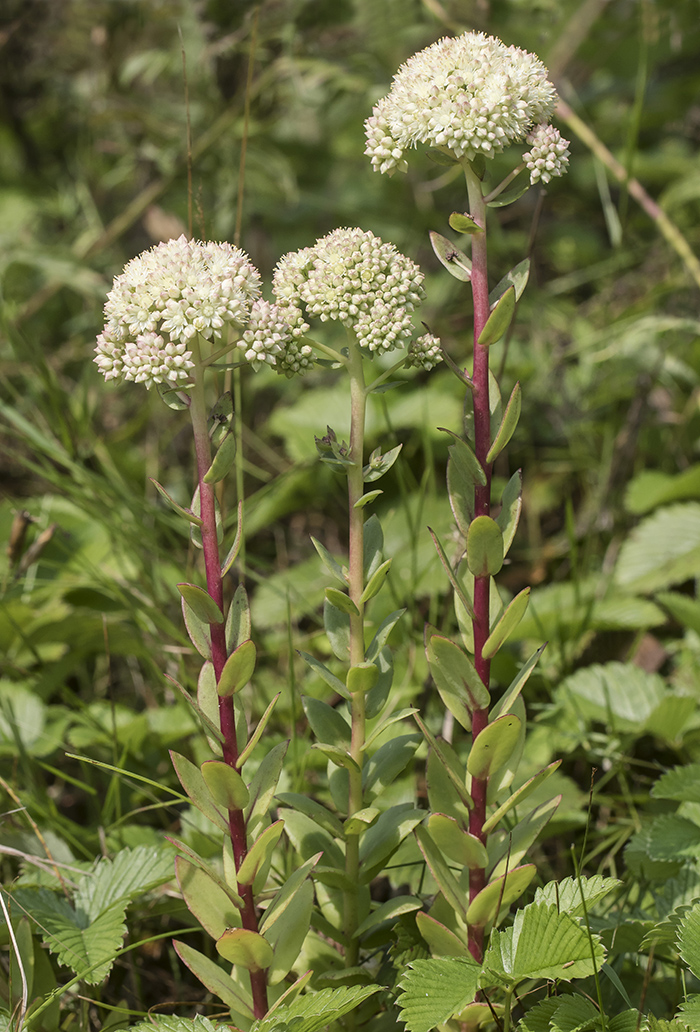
(94, 168)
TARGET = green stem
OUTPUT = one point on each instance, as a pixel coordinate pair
(358, 401)
(482, 507)
(227, 720)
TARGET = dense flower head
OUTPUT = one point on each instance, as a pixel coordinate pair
(466, 95)
(271, 340)
(163, 298)
(353, 277)
(549, 154)
(425, 352)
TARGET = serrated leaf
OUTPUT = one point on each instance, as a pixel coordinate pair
(689, 939)
(455, 261)
(317, 1010)
(77, 941)
(541, 944)
(681, 783)
(566, 894)
(508, 424)
(499, 320)
(621, 694)
(435, 990)
(682, 608)
(652, 488)
(507, 624)
(663, 550)
(484, 547)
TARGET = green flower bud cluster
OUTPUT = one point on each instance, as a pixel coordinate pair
(355, 278)
(425, 352)
(466, 95)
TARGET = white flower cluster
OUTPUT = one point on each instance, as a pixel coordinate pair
(466, 95)
(354, 277)
(163, 298)
(425, 352)
(271, 340)
(549, 156)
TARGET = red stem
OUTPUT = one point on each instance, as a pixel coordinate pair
(482, 507)
(227, 718)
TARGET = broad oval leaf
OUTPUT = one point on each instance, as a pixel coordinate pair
(244, 947)
(374, 585)
(463, 222)
(342, 602)
(238, 669)
(455, 261)
(457, 845)
(226, 785)
(362, 678)
(484, 547)
(260, 854)
(486, 905)
(493, 746)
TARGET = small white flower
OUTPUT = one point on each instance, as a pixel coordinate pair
(355, 278)
(163, 298)
(466, 95)
(549, 154)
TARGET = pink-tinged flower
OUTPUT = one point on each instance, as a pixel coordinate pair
(549, 154)
(466, 95)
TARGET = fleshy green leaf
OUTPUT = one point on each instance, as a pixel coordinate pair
(286, 935)
(500, 892)
(367, 498)
(191, 779)
(388, 911)
(507, 624)
(238, 627)
(215, 979)
(328, 724)
(244, 947)
(499, 320)
(226, 785)
(508, 424)
(384, 837)
(460, 687)
(509, 196)
(259, 855)
(382, 635)
(222, 461)
(492, 748)
(206, 900)
(390, 760)
(329, 562)
(362, 678)
(380, 464)
(447, 883)
(455, 261)
(517, 278)
(235, 548)
(188, 514)
(442, 942)
(484, 547)
(238, 669)
(463, 222)
(341, 601)
(520, 795)
(515, 843)
(330, 679)
(264, 785)
(197, 629)
(456, 843)
(511, 505)
(337, 626)
(374, 585)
